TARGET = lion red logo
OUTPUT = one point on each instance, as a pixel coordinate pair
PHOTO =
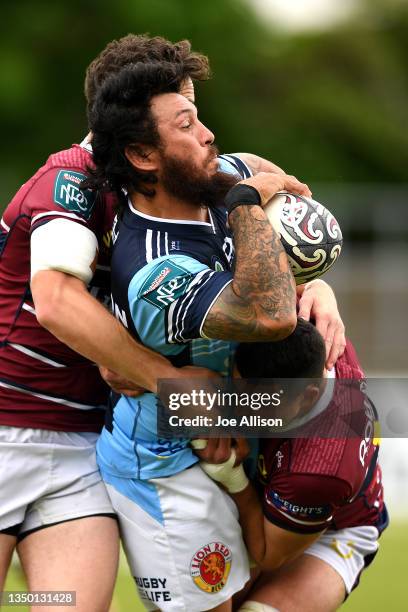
(210, 567)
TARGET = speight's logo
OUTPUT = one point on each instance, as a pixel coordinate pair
(159, 279)
(210, 567)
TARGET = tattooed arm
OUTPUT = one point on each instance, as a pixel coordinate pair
(260, 303)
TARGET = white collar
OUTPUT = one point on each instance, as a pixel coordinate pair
(86, 144)
(178, 221)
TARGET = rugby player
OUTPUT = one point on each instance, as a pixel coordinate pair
(51, 399)
(312, 518)
(173, 288)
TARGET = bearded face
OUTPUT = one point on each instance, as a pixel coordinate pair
(199, 186)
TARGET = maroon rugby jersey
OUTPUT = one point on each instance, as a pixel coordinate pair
(314, 483)
(43, 383)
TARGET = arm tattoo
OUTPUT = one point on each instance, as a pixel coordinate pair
(260, 303)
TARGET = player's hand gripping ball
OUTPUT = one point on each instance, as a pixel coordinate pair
(309, 233)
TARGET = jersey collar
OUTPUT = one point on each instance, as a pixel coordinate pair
(149, 220)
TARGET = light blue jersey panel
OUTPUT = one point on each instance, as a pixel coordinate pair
(232, 164)
(168, 302)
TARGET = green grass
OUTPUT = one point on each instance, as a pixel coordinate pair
(383, 586)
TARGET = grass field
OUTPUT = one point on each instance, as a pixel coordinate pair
(383, 586)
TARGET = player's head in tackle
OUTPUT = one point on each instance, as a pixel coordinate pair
(300, 357)
(148, 140)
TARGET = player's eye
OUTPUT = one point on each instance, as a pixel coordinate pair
(186, 125)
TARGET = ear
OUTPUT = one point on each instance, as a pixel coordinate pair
(310, 397)
(142, 157)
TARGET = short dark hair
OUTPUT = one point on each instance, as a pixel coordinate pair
(300, 355)
(121, 117)
(135, 48)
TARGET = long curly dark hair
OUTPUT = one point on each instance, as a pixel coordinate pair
(121, 117)
(135, 48)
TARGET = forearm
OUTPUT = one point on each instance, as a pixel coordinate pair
(259, 164)
(262, 272)
(317, 302)
(69, 312)
(252, 522)
(269, 546)
(260, 304)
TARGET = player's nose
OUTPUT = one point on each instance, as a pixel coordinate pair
(207, 137)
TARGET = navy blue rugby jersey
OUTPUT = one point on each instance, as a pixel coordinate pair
(166, 275)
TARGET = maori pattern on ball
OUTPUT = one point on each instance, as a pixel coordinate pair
(311, 236)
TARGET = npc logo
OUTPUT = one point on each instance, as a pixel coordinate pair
(161, 294)
(69, 195)
(210, 567)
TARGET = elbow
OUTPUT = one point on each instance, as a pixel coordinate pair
(47, 313)
(48, 300)
(287, 326)
(55, 295)
(278, 329)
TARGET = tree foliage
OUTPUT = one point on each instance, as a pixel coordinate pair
(328, 106)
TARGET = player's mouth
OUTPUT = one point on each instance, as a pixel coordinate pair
(213, 163)
(212, 155)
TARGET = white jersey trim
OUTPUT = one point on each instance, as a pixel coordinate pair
(163, 220)
(34, 355)
(190, 294)
(53, 213)
(86, 144)
(311, 523)
(28, 308)
(198, 283)
(4, 225)
(158, 244)
(231, 160)
(50, 398)
(212, 221)
(202, 334)
(149, 246)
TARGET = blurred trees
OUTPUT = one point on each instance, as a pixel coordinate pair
(328, 106)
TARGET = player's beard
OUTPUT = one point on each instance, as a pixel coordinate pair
(184, 180)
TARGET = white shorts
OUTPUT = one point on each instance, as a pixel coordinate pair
(182, 540)
(48, 477)
(348, 551)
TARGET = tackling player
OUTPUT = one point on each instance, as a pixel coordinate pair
(314, 524)
(52, 400)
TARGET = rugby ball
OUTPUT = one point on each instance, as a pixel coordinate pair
(309, 233)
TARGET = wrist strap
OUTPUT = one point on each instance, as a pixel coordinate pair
(233, 478)
(240, 195)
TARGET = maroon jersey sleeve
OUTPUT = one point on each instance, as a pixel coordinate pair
(43, 383)
(304, 503)
(56, 194)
